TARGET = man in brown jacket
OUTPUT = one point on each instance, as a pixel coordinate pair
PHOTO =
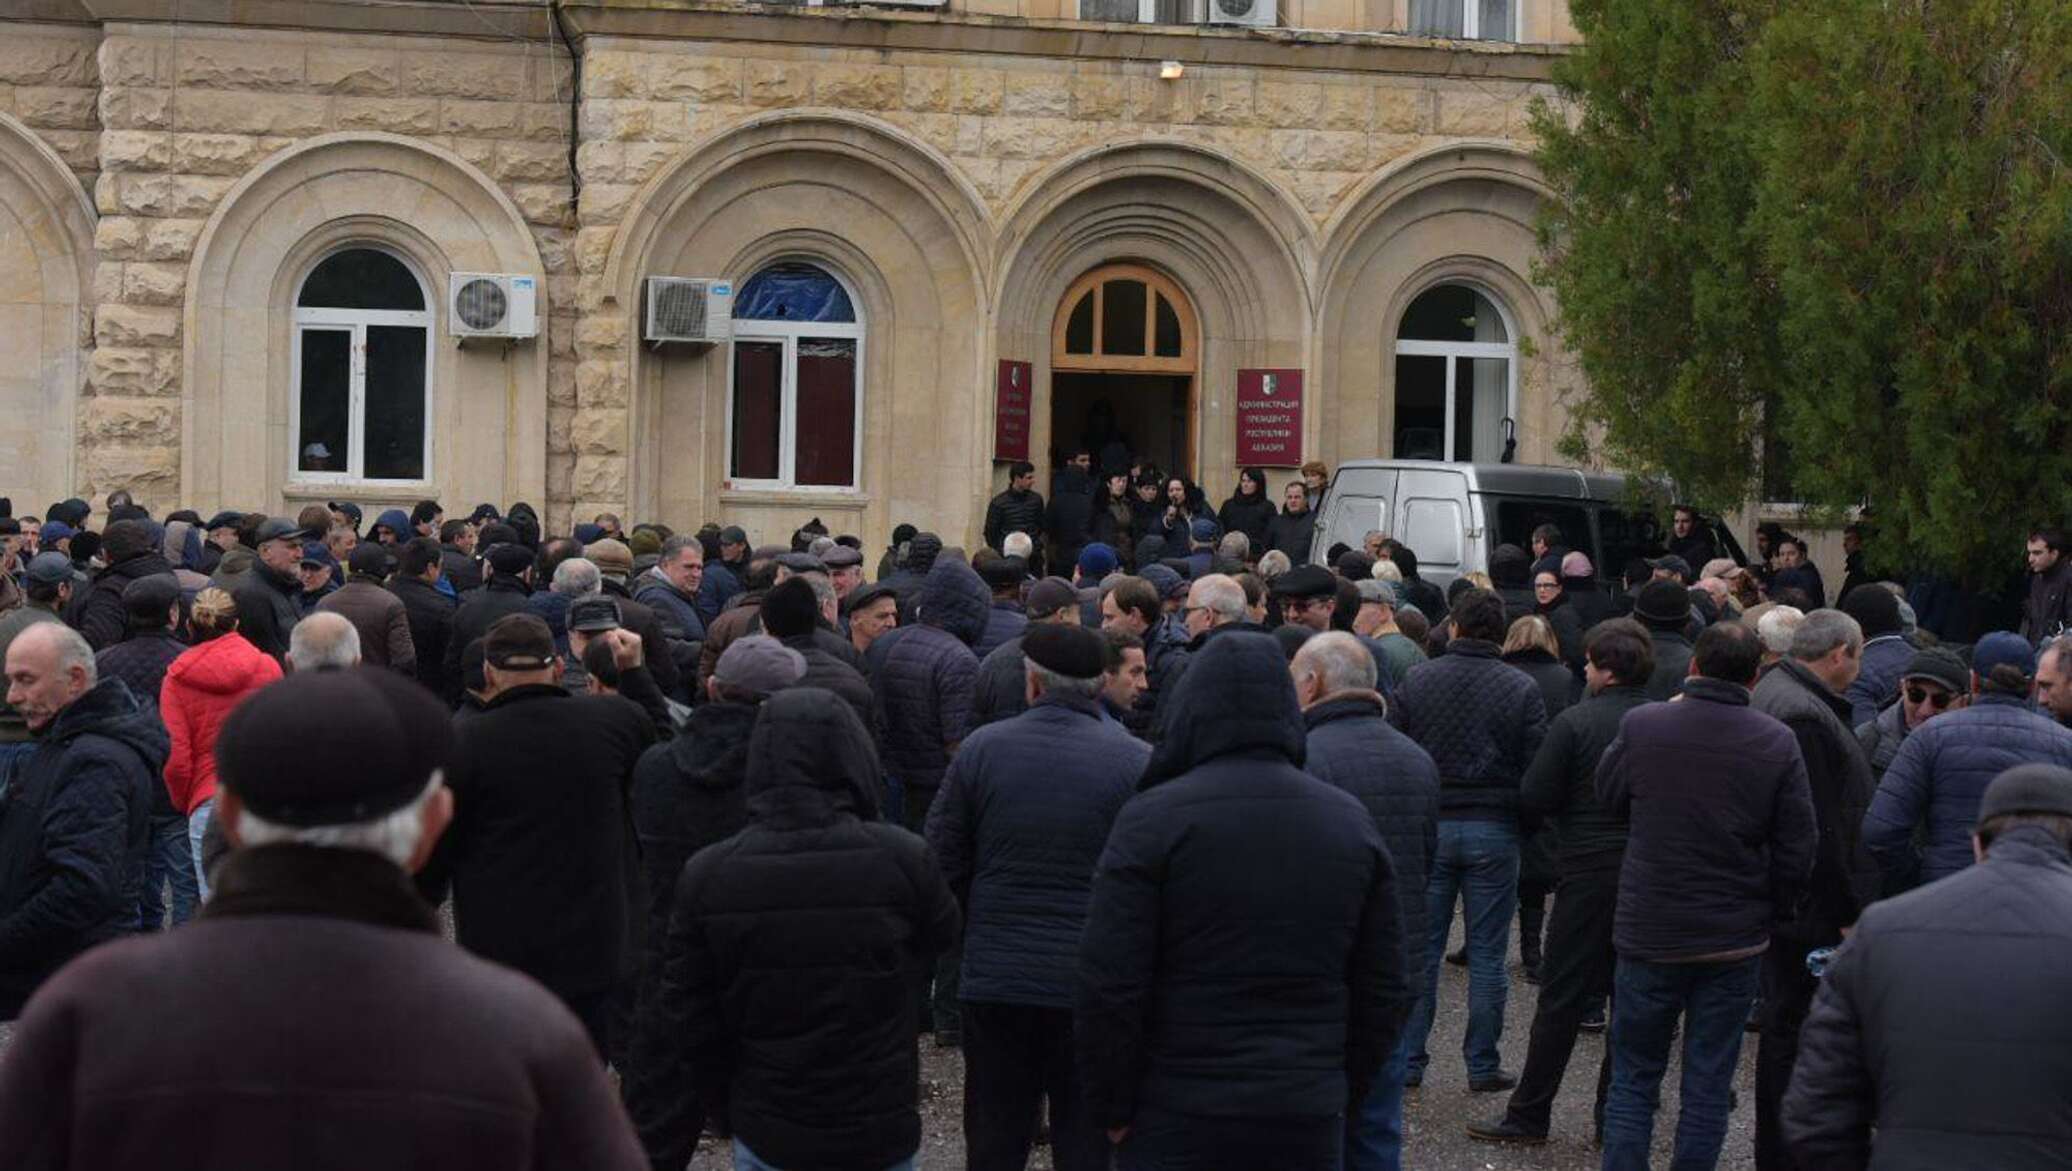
(379, 616)
(311, 1015)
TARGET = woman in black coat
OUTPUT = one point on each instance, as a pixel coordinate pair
(1530, 646)
(1550, 601)
(1249, 510)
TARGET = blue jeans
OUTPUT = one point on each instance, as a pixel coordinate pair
(1374, 1140)
(168, 863)
(747, 1160)
(1478, 862)
(197, 828)
(1647, 998)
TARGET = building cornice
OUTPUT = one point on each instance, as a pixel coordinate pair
(492, 19)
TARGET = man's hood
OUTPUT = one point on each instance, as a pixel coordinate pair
(712, 749)
(1235, 697)
(955, 599)
(810, 761)
(110, 709)
(129, 569)
(921, 553)
(398, 522)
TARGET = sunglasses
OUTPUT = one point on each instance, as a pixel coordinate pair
(1941, 699)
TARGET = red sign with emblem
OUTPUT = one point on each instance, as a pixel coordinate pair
(1269, 418)
(1012, 396)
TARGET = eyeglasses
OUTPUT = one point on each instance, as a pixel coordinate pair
(1918, 695)
(1546, 585)
(1297, 605)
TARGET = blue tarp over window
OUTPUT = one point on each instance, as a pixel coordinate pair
(793, 292)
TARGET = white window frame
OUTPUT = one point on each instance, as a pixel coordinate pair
(1507, 350)
(788, 334)
(355, 322)
(1471, 22)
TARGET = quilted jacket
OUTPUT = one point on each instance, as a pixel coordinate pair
(1017, 831)
(200, 689)
(1353, 747)
(922, 676)
(1942, 770)
(1004, 621)
(1481, 720)
(1880, 739)
(1885, 659)
(1000, 692)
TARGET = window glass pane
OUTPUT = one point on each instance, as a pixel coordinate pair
(1122, 317)
(1114, 10)
(758, 390)
(1433, 529)
(1167, 342)
(394, 444)
(1497, 20)
(1516, 519)
(826, 452)
(1436, 18)
(361, 278)
(1444, 314)
(320, 446)
(793, 292)
(1420, 408)
(1481, 390)
(1079, 328)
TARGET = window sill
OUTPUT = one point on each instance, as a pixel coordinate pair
(325, 491)
(832, 499)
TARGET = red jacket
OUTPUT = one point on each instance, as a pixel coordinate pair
(201, 688)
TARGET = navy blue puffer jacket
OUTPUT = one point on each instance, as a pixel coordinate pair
(1942, 770)
(1017, 831)
(1353, 747)
(922, 675)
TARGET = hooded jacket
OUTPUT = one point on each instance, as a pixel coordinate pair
(905, 581)
(394, 520)
(99, 616)
(1243, 956)
(74, 831)
(201, 689)
(687, 794)
(1005, 622)
(1351, 745)
(922, 676)
(786, 1002)
(1942, 770)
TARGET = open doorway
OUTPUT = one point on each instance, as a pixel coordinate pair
(1123, 360)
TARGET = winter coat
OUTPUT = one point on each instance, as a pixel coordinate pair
(1244, 955)
(657, 653)
(1569, 631)
(1071, 517)
(682, 626)
(1166, 659)
(140, 661)
(687, 794)
(1561, 783)
(1001, 689)
(831, 673)
(99, 616)
(266, 609)
(460, 570)
(202, 687)
(1722, 836)
(429, 614)
(1880, 739)
(1802, 577)
(1845, 876)
(715, 590)
(74, 831)
(1014, 512)
(1672, 663)
(1942, 770)
(786, 1004)
(500, 595)
(1250, 515)
(1558, 685)
(1291, 533)
(2048, 608)
(1884, 660)
(1005, 622)
(539, 853)
(1351, 745)
(379, 616)
(906, 581)
(741, 618)
(1943, 1024)
(1016, 833)
(1481, 720)
(310, 1017)
(13, 729)
(922, 676)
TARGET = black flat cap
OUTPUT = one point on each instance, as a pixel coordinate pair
(363, 743)
(1307, 581)
(1069, 650)
(224, 520)
(511, 559)
(593, 614)
(151, 596)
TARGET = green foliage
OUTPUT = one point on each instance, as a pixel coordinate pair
(1855, 216)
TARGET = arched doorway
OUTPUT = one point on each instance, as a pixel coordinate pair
(1124, 350)
(1456, 377)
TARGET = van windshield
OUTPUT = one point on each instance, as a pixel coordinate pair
(1516, 520)
(1627, 536)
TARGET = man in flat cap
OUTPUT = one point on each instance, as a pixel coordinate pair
(1002, 692)
(47, 582)
(267, 596)
(1306, 596)
(509, 567)
(1941, 1035)
(1017, 830)
(152, 606)
(311, 1015)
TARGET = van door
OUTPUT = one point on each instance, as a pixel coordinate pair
(1432, 519)
(1358, 503)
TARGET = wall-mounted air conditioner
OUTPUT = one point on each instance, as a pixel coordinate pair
(1259, 13)
(492, 304)
(689, 309)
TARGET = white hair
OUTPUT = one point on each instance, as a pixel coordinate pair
(1342, 661)
(1274, 563)
(394, 836)
(578, 578)
(1235, 545)
(324, 640)
(1054, 683)
(1778, 627)
(1017, 545)
(1386, 570)
(1219, 594)
(1821, 632)
(70, 648)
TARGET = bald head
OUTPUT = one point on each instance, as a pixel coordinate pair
(323, 641)
(49, 666)
(1331, 663)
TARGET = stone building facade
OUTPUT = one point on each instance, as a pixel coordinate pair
(917, 202)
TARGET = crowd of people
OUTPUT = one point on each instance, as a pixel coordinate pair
(1163, 821)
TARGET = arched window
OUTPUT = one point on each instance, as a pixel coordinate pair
(1124, 318)
(1456, 377)
(795, 409)
(360, 406)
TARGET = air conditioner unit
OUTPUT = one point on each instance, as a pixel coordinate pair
(1259, 13)
(492, 304)
(680, 309)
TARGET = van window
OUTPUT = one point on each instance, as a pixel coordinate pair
(1626, 536)
(1432, 529)
(1353, 517)
(1516, 519)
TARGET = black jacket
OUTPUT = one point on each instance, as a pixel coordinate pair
(1722, 836)
(1244, 953)
(1352, 746)
(74, 829)
(1558, 685)
(1672, 662)
(1561, 784)
(786, 1005)
(921, 676)
(1252, 516)
(430, 614)
(687, 794)
(267, 609)
(499, 596)
(2048, 608)
(1481, 720)
(540, 852)
(825, 670)
(1014, 512)
(1024, 812)
(1071, 518)
(1944, 1024)
(459, 568)
(1001, 690)
(1291, 533)
(99, 616)
(1845, 876)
